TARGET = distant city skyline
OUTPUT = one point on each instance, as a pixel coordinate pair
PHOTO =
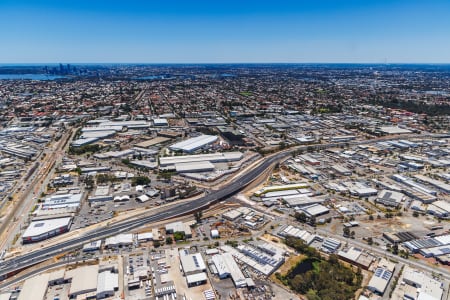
(322, 31)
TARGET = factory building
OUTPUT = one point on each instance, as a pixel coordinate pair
(211, 157)
(161, 122)
(34, 288)
(135, 124)
(191, 263)
(204, 166)
(179, 227)
(421, 285)
(436, 183)
(145, 236)
(92, 246)
(235, 137)
(193, 144)
(413, 185)
(302, 234)
(196, 279)
(107, 284)
(83, 282)
(120, 240)
(263, 257)
(276, 188)
(84, 141)
(301, 200)
(330, 245)
(341, 170)
(315, 210)
(227, 267)
(44, 229)
(440, 209)
(309, 160)
(380, 279)
(357, 257)
(390, 198)
(68, 201)
(97, 134)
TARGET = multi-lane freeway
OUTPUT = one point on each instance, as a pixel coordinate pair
(11, 265)
(20, 262)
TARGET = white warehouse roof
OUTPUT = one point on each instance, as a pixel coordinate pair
(195, 143)
(315, 210)
(34, 288)
(380, 280)
(121, 239)
(211, 157)
(192, 263)
(202, 166)
(62, 201)
(37, 228)
(107, 282)
(227, 266)
(84, 280)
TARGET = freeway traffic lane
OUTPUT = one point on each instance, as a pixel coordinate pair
(40, 255)
(215, 196)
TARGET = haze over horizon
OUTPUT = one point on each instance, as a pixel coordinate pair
(323, 31)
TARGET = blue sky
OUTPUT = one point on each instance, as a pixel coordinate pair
(155, 31)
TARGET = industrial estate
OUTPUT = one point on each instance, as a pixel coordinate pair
(225, 182)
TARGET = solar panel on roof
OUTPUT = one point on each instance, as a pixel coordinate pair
(387, 195)
(196, 261)
(386, 275)
(445, 250)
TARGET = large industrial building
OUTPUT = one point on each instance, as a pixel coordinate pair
(421, 286)
(179, 226)
(191, 263)
(226, 267)
(107, 284)
(44, 229)
(382, 276)
(262, 257)
(193, 144)
(390, 198)
(66, 201)
(119, 240)
(211, 157)
(83, 281)
(194, 268)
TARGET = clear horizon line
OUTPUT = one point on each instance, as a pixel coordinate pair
(223, 63)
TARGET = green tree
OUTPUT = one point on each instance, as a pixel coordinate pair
(169, 240)
(89, 181)
(198, 216)
(140, 180)
(179, 235)
(395, 249)
(301, 217)
(346, 231)
(312, 295)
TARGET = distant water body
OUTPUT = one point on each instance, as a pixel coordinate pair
(29, 77)
(155, 77)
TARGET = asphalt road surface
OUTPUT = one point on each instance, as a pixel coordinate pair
(43, 254)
